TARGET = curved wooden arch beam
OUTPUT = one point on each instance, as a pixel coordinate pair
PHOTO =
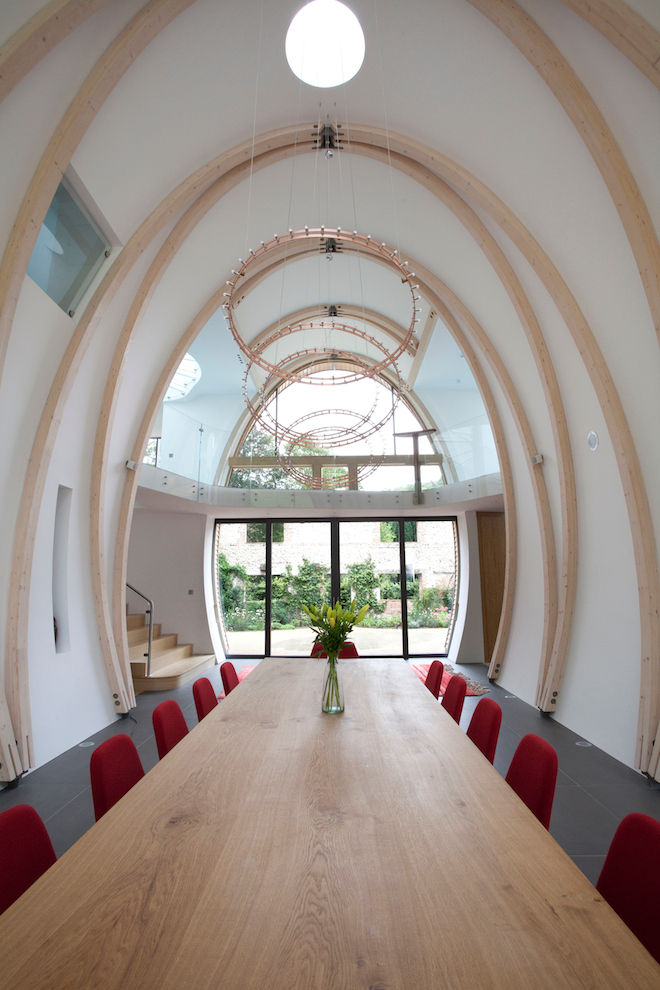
(112, 628)
(561, 605)
(107, 72)
(131, 481)
(435, 290)
(555, 654)
(626, 30)
(590, 124)
(507, 221)
(559, 609)
(635, 493)
(38, 36)
(118, 670)
(11, 765)
(466, 329)
(634, 489)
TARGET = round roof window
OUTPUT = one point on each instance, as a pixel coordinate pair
(325, 44)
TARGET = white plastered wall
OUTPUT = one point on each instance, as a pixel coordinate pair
(564, 203)
(166, 561)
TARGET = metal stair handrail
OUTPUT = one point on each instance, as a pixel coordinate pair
(150, 612)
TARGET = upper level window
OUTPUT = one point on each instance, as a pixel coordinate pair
(69, 251)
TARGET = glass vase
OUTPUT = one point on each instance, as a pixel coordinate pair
(332, 701)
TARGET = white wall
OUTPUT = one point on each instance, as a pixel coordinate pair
(502, 122)
(166, 563)
(186, 451)
(467, 644)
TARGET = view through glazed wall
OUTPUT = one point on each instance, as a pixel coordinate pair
(266, 571)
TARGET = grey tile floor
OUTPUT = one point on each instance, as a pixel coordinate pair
(594, 791)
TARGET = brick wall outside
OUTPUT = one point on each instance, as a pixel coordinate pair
(431, 556)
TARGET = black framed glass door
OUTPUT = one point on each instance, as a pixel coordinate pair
(406, 569)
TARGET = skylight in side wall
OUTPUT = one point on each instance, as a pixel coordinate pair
(184, 379)
(70, 250)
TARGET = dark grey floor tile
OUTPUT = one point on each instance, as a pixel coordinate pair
(623, 795)
(71, 821)
(148, 754)
(506, 747)
(590, 866)
(581, 825)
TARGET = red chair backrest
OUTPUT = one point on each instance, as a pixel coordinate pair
(347, 652)
(630, 878)
(434, 677)
(533, 775)
(25, 852)
(169, 726)
(204, 696)
(114, 768)
(484, 727)
(229, 676)
(454, 696)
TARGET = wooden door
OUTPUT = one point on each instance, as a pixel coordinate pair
(492, 562)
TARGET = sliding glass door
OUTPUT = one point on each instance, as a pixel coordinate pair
(300, 574)
(406, 570)
(369, 571)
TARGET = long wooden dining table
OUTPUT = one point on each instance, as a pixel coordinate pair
(277, 847)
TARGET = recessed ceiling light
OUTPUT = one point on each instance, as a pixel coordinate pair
(325, 44)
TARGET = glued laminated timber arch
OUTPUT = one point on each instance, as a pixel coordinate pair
(541, 53)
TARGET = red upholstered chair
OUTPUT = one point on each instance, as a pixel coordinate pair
(114, 768)
(229, 676)
(484, 727)
(169, 726)
(434, 677)
(205, 697)
(454, 696)
(25, 852)
(533, 774)
(347, 652)
(630, 878)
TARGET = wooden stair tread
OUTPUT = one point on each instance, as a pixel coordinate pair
(165, 658)
(134, 621)
(174, 674)
(172, 663)
(140, 634)
(159, 645)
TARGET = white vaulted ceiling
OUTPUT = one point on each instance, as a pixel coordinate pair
(509, 150)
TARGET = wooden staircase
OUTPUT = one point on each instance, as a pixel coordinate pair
(172, 663)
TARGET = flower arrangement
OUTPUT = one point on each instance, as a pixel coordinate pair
(332, 626)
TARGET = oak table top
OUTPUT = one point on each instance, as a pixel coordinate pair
(276, 847)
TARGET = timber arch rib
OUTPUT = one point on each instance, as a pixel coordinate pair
(464, 195)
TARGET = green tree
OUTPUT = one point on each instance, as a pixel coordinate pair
(361, 581)
(259, 443)
(389, 531)
(283, 610)
(256, 532)
(233, 581)
(311, 585)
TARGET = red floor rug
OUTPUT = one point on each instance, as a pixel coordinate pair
(242, 674)
(474, 688)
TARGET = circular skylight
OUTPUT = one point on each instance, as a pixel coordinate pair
(184, 379)
(325, 44)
